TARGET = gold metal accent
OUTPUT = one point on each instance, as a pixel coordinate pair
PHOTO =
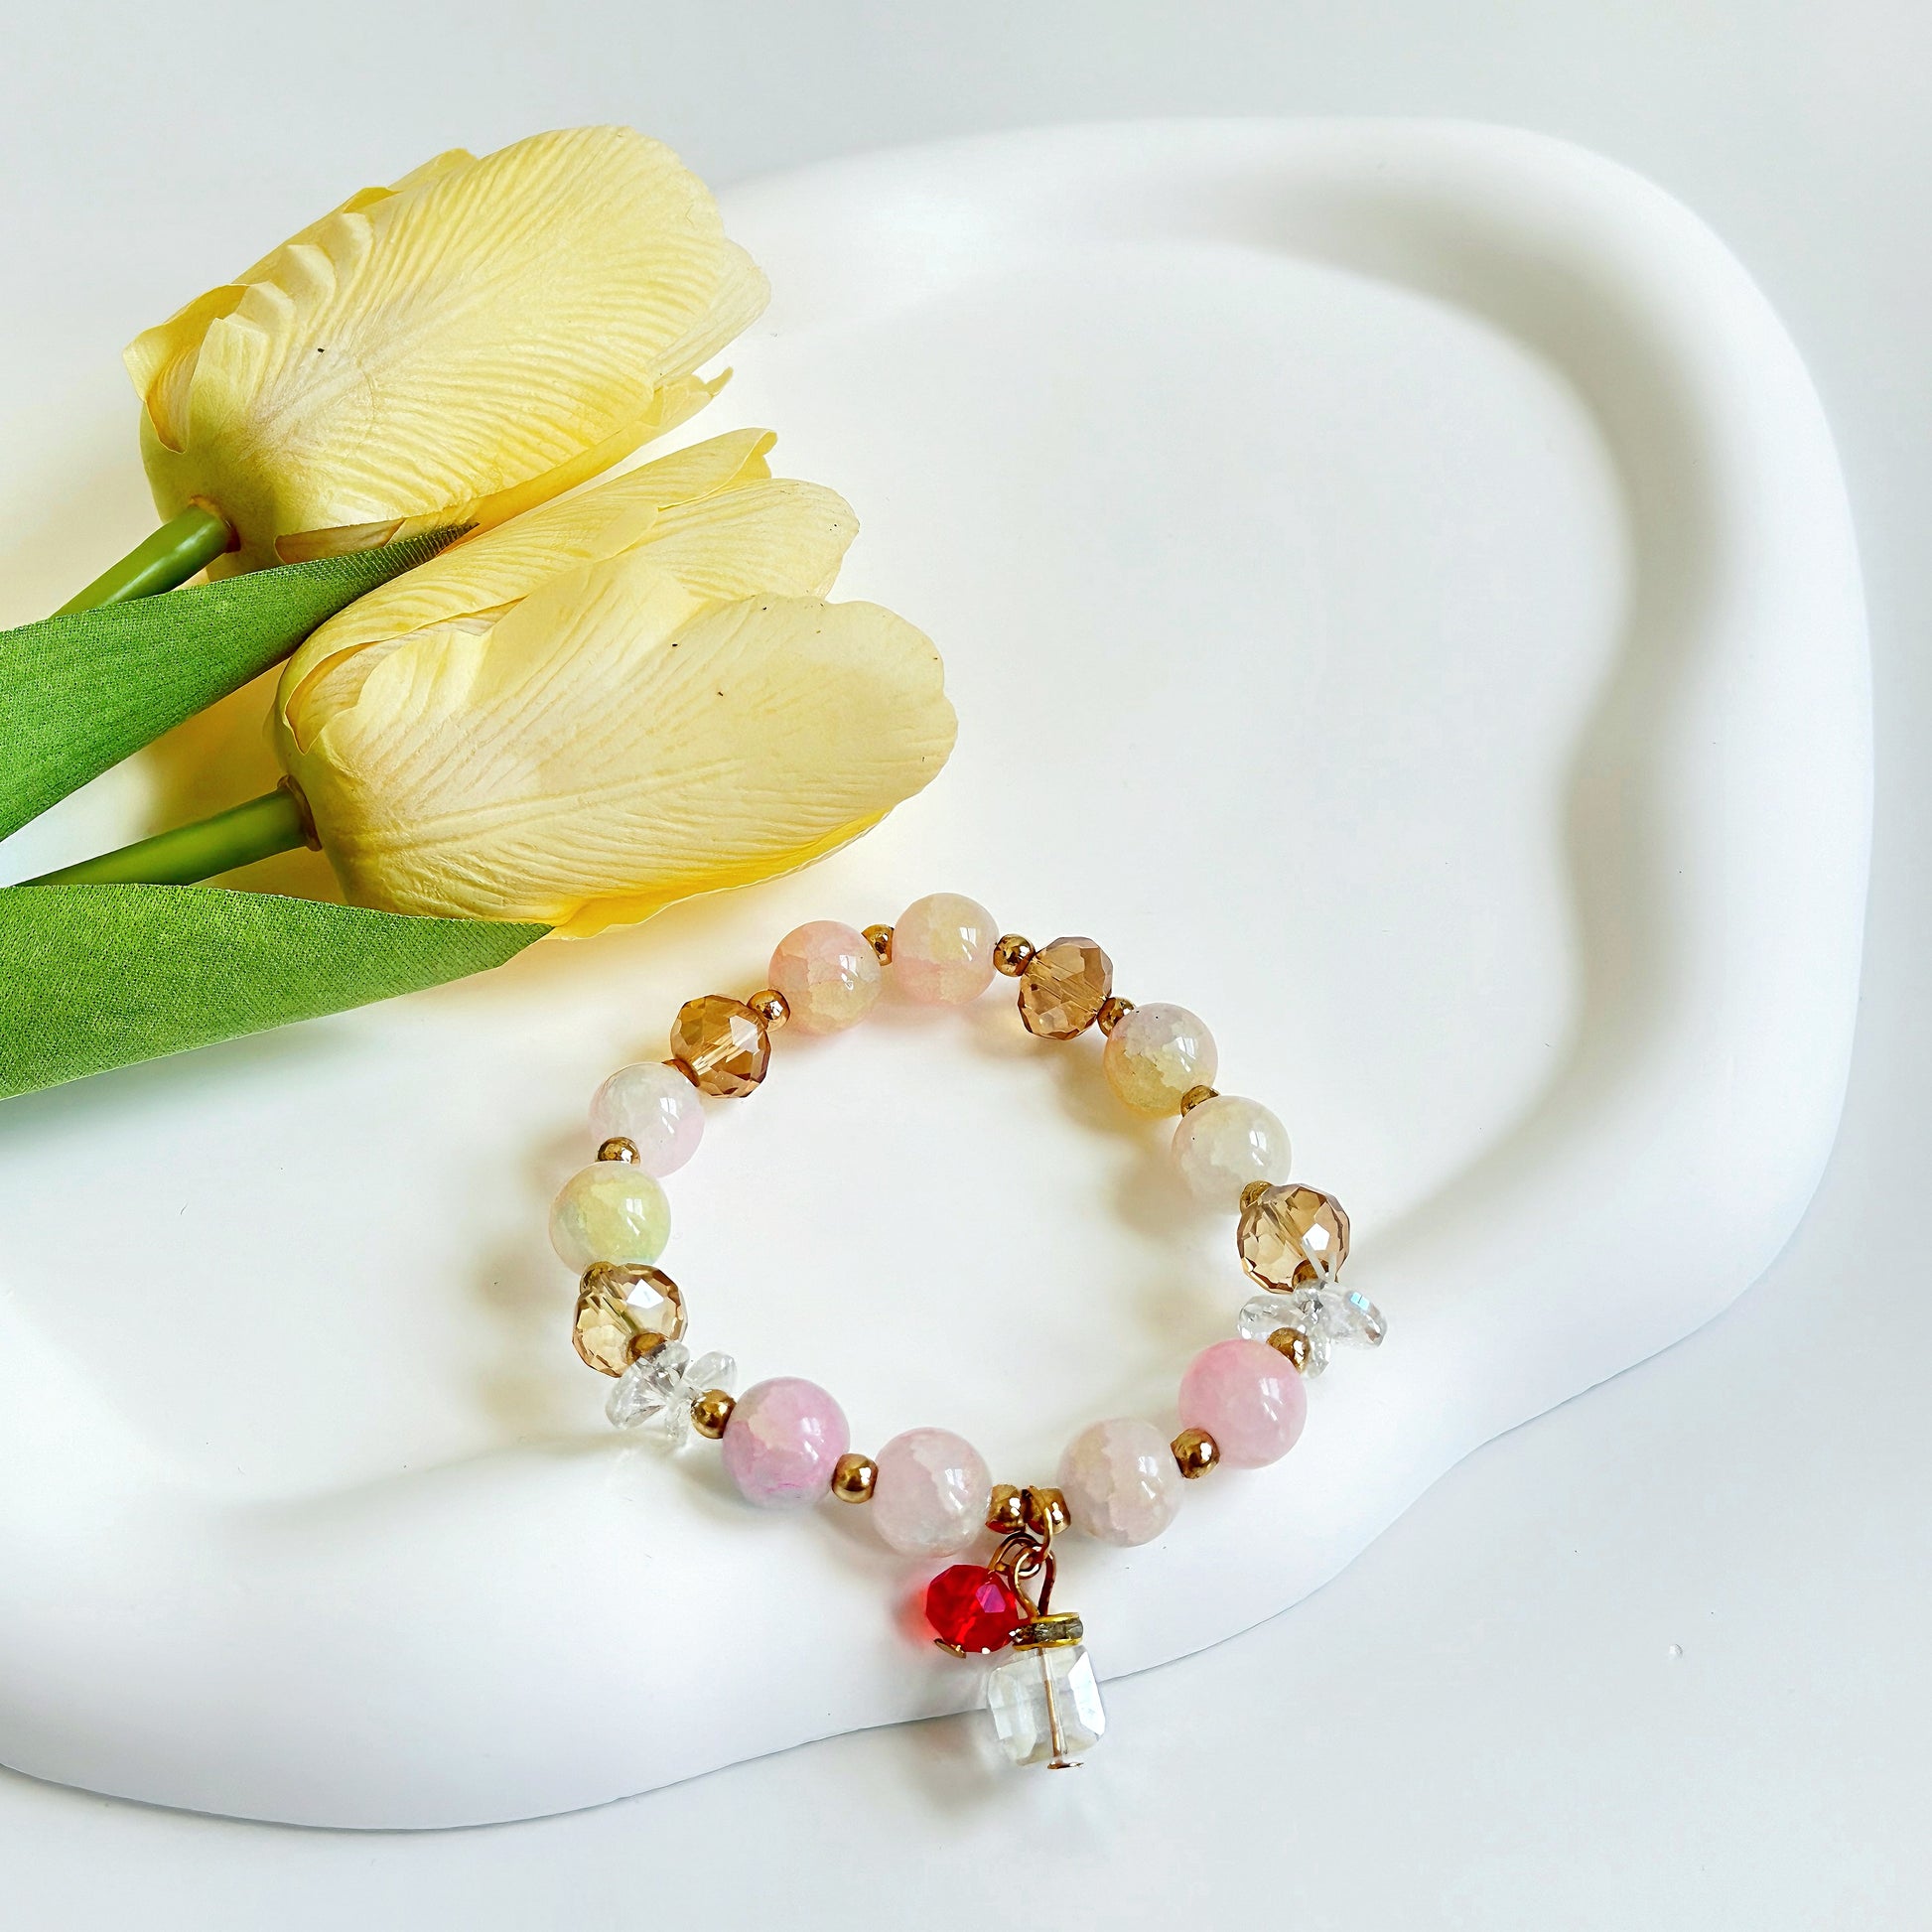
(1044, 1511)
(1005, 1513)
(1049, 1631)
(1195, 1451)
(1112, 1013)
(712, 1412)
(770, 1006)
(1293, 1343)
(618, 1147)
(880, 939)
(1193, 1098)
(1252, 1192)
(1011, 953)
(853, 1477)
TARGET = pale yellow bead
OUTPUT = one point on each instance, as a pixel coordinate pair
(1155, 1055)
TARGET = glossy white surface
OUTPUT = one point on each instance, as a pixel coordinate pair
(1540, 513)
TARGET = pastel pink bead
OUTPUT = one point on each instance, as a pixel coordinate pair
(942, 949)
(782, 1441)
(1120, 1481)
(931, 1493)
(829, 975)
(1249, 1398)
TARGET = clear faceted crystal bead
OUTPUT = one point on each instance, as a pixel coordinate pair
(1326, 1314)
(658, 1390)
(1046, 1704)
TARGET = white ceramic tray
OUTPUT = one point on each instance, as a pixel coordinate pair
(1398, 593)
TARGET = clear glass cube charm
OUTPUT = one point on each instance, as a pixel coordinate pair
(1044, 1697)
(1325, 1312)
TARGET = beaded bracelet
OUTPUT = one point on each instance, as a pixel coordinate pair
(784, 1442)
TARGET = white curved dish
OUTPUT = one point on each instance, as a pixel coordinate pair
(1399, 594)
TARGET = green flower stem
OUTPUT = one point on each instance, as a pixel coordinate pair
(181, 546)
(266, 826)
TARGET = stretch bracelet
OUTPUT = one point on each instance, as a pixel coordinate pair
(929, 1494)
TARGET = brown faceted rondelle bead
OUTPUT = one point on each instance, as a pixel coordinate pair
(722, 1047)
(1195, 1451)
(1063, 988)
(1011, 953)
(853, 1476)
(1005, 1513)
(1290, 1236)
(611, 1329)
(711, 1413)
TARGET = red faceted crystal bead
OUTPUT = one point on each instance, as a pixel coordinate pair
(972, 1609)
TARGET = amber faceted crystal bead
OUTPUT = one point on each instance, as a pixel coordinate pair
(622, 1310)
(1291, 1236)
(1063, 988)
(721, 1045)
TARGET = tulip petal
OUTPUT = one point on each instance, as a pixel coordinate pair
(446, 350)
(789, 537)
(609, 747)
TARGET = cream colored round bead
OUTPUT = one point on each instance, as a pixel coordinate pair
(1120, 1481)
(829, 974)
(1155, 1053)
(931, 1493)
(609, 1211)
(1224, 1144)
(942, 949)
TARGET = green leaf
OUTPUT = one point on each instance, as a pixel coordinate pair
(98, 976)
(80, 693)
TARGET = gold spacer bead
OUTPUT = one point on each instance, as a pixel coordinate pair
(853, 1477)
(712, 1412)
(1005, 1513)
(1193, 1098)
(1253, 1191)
(616, 1148)
(1195, 1451)
(1043, 1510)
(1293, 1343)
(770, 1006)
(1011, 953)
(880, 939)
(1112, 1013)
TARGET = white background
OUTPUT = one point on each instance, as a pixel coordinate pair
(1656, 1660)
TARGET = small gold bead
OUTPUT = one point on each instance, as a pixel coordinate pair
(1043, 1510)
(770, 1006)
(853, 1477)
(1011, 953)
(1006, 1513)
(1252, 1192)
(1195, 1451)
(880, 939)
(1193, 1098)
(1293, 1343)
(616, 1148)
(710, 1412)
(1112, 1013)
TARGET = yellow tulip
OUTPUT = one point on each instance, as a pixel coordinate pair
(456, 348)
(618, 700)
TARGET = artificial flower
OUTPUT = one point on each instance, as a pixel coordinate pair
(619, 700)
(453, 350)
